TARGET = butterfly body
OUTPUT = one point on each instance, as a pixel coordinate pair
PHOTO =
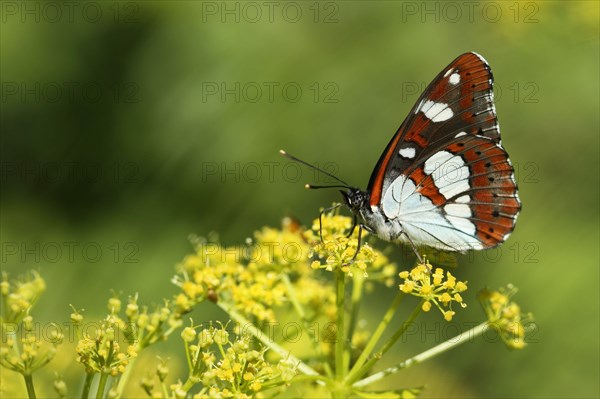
(444, 180)
(374, 220)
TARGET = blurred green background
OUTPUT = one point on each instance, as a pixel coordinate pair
(128, 126)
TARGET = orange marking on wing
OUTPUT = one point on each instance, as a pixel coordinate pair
(418, 125)
(412, 135)
(378, 184)
(427, 187)
(439, 90)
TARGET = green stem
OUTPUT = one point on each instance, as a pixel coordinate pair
(189, 384)
(101, 385)
(340, 329)
(164, 390)
(89, 377)
(29, 383)
(352, 377)
(292, 296)
(398, 334)
(258, 334)
(428, 354)
(125, 376)
(383, 324)
(195, 367)
(357, 291)
(188, 356)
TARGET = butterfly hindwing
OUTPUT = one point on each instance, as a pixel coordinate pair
(471, 183)
(445, 176)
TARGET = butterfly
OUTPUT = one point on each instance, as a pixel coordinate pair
(444, 180)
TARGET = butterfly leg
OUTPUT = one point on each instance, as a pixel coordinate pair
(414, 248)
(360, 229)
(331, 208)
(353, 226)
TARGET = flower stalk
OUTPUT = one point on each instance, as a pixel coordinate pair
(29, 384)
(357, 294)
(428, 354)
(383, 324)
(101, 385)
(360, 371)
(340, 329)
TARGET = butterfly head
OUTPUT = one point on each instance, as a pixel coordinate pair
(355, 198)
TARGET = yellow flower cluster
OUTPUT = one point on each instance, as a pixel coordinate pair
(145, 327)
(24, 349)
(247, 277)
(102, 353)
(224, 367)
(210, 271)
(505, 316)
(251, 278)
(437, 288)
(116, 340)
(280, 247)
(275, 275)
(332, 249)
(20, 295)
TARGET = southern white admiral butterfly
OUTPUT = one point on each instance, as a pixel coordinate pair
(444, 180)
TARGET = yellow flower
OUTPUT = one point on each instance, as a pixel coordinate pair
(335, 250)
(60, 386)
(114, 305)
(407, 287)
(438, 288)
(24, 352)
(229, 366)
(505, 316)
(188, 334)
(20, 295)
(448, 314)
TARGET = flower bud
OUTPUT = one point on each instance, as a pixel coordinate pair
(114, 305)
(188, 334)
(60, 387)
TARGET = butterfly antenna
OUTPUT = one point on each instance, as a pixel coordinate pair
(293, 158)
(310, 186)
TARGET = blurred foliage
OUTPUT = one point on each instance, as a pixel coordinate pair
(114, 151)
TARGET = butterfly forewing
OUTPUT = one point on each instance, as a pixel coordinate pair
(445, 176)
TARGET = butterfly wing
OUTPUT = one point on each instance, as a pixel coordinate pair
(445, 176)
